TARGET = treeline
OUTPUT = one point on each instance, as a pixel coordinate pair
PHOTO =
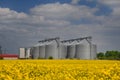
(109, 55)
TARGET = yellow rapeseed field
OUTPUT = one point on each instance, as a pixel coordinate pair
(59, 70)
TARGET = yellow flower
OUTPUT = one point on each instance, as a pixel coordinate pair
(59, 70)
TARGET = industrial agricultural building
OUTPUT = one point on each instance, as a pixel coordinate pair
(53, 47)
(8, 56)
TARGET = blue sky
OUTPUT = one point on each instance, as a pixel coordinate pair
(24, 6)
(24, 22)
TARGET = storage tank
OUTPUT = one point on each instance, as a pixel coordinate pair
(51, 50)
(83, 51)
(71, 50)
(93, 51)
(28, 52)
(22, 53)
(42, 50)
(62, 51)
(35, 52)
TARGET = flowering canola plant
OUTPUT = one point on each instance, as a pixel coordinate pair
(59, 70)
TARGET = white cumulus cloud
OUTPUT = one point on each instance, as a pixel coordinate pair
(75, 1)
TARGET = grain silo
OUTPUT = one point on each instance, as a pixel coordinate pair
(42, 50)
(57, 49)
(93, 51)
(83, 51)
(52, 47)
(62, 53)
(51, 50)
(71, 50)
(28, 50)
(35, 51)
(22, 53)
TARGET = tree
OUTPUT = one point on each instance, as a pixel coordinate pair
(112, 55)
(100, 55)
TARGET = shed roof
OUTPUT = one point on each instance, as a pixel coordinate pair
(8, 55)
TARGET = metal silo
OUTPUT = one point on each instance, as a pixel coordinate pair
(28, 52)
(93, 51)
(22, 53)
(83, 51)
(35, 52)
(71, 50)
(51, 50)
(42, 50)
(62, 51)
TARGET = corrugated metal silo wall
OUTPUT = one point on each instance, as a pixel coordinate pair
(35, 52)
(83, 51)
(93, 51)
(71, 51)
(51, 50)
(62, 53)
(22, 53)
(28, 52)
(42, 51)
